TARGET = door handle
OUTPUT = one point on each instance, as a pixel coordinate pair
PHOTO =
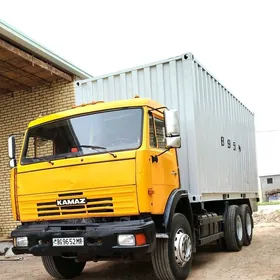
(174, 173)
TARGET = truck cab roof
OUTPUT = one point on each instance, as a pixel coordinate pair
(94, 107)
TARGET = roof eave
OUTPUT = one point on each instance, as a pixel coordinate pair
(21, 39)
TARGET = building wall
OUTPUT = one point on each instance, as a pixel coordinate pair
(269, 183)
(16, 110)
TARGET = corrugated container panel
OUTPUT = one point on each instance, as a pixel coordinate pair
(208, 113)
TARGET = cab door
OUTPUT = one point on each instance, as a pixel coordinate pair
(164, 167)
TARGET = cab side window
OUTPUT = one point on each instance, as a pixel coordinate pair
(157, 133)
(153, 140)
(160, 133)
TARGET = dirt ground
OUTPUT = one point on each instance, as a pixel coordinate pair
(260, 260)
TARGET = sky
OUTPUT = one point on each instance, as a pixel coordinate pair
(237, 41)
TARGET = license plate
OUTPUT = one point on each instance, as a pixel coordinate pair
(72, 241)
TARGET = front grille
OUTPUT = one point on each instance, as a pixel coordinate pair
(101, 202)
(70, 194)
(102, 210)
(94, 205)
(45, 204)
(48, 214)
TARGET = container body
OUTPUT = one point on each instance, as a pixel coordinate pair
(217, 159)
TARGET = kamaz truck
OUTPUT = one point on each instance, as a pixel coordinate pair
(162, 162)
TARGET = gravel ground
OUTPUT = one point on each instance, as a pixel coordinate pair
(260, 260)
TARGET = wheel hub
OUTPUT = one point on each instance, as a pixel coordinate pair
(239, 230)
(248, 224)
(182, 247)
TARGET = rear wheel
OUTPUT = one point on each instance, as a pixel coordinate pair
(234, 229)
(247, 224)
(61, 268)
(172, 258)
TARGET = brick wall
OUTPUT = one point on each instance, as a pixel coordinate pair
(16, 110)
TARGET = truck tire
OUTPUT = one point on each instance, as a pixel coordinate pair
(61, 268)
(172, 257)
(248, 225)
(234, 229)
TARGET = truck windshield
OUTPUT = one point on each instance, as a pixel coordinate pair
(114, 130)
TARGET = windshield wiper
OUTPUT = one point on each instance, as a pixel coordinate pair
(44, 159)
(97, 148)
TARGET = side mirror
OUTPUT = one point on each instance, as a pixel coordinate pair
(12, 150)
(172, 129)
(172, 124)
(173, 142)
(12, 147)
(13, 163)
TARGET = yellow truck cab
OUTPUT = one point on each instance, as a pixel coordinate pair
(116, 180)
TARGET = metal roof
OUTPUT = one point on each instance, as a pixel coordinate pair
(21, 40)
(269, 175)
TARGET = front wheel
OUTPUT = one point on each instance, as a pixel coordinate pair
(172, 258)
(61, 268)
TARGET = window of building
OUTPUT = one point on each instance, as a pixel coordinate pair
(269, 180)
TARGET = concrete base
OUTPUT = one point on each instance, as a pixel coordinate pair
(268, 208)
(5, 246)
(6, 249)
(6, 253)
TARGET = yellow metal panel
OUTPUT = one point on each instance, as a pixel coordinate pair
(105, 201)
(108, 183)
(144, 176)
(165, 179)
(13, 194)
(79, 173)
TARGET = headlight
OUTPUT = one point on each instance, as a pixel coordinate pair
(126, 240)
(21, 242)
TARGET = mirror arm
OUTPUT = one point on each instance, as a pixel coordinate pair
(157, 109)
(17, 134)
(163, 152)
(155, 158)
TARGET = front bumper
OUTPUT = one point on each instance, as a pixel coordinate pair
(100, 239)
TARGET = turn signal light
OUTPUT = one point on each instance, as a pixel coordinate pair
(140, 239)
(85, 104)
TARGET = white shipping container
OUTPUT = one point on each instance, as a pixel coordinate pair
(217, 159)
